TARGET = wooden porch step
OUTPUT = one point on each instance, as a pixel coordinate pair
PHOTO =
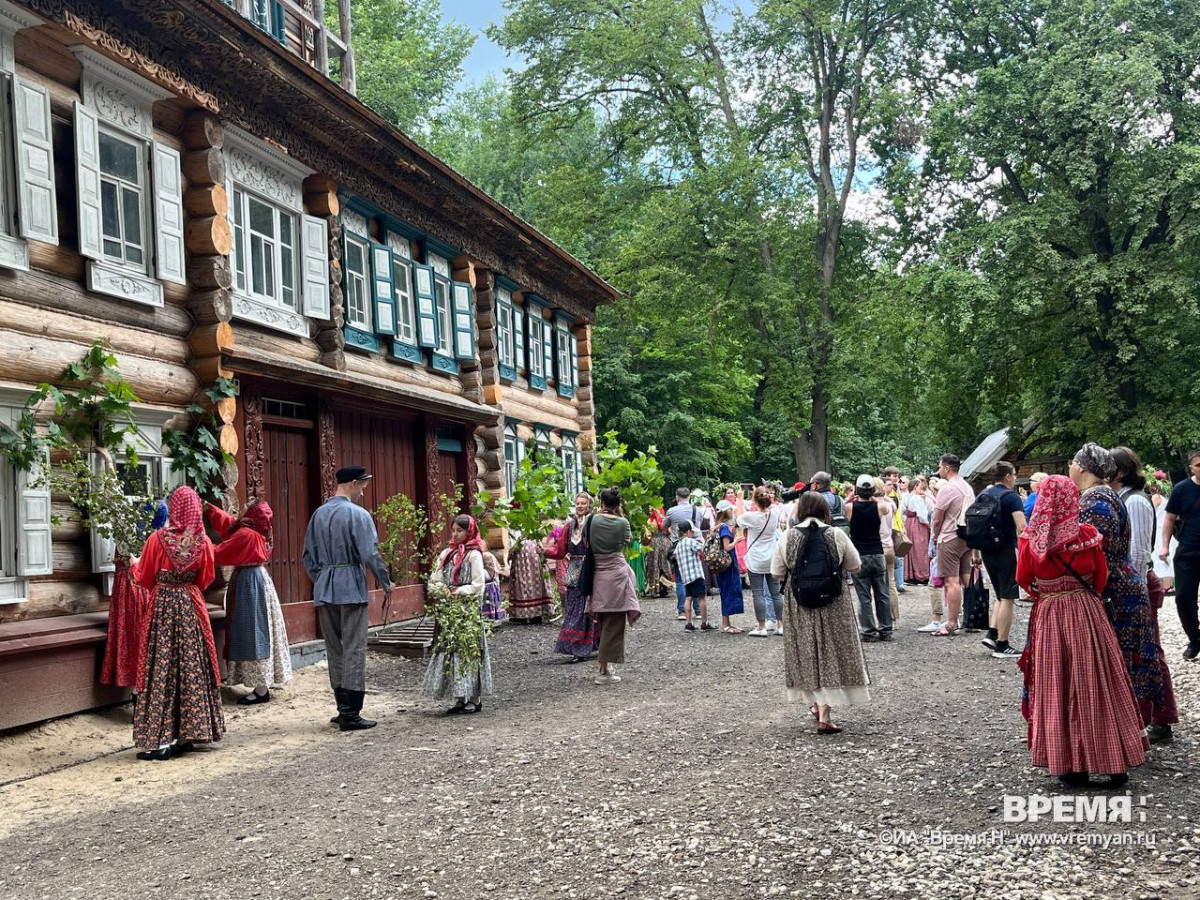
(412, 639)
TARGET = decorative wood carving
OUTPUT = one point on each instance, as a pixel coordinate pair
(255, 456)
(196, 51)
(472, 479)
(108, 39)
(327, 449)
(432, 469)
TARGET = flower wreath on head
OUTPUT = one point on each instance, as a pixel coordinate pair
(1157, 480)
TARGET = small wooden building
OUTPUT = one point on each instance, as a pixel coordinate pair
(185, 179)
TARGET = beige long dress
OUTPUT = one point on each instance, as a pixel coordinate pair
(822, 651)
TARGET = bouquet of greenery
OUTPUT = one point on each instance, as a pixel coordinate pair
(461, 627)
(1157, 481)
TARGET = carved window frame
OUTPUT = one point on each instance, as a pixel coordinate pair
(123, 104)
(257, 170)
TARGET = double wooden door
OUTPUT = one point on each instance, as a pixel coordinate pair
(289, 479)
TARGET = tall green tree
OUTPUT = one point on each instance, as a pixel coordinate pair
(1052, 206)
(408, 59)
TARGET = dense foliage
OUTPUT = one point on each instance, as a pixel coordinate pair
(859, 232)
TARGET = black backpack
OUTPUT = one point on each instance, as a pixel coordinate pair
(816, 579)
(983, 523)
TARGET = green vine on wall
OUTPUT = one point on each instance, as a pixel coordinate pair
(196, 452)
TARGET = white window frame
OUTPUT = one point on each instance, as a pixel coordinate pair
(359, 283)
(148, 442)
(535, 336)
(406, 309)
(274, 178)
(120, 103)
(512, 461)
(26, 170)
(505, 316)
(14, 586)
(562, 350)
(572, 471)
(242, 255)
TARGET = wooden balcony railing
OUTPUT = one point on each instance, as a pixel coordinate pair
(299, 25)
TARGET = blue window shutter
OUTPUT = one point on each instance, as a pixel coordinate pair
(278, 23)
(518, 324)
(462, 310)
(574, 360)
(383, 289)
(427, 326)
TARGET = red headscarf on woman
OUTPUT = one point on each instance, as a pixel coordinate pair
(183, 536)
(258, 517)
(1055, 525)
(459, 551)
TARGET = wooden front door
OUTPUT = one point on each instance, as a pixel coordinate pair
(289, 482)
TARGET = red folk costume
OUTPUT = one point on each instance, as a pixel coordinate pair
(127, 610)
(178, 677)
(255, 635)
(1080, 705)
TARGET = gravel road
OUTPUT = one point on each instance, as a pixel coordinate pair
(691, 779)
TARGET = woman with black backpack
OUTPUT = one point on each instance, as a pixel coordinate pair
(823, 656)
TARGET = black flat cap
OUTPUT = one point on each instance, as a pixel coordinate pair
(352, 473)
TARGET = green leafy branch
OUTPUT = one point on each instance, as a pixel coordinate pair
(539, 497)
(196, 452)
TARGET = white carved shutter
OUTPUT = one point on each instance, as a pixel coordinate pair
(168, 215)
(37, 206)
(87, 177)
(463, 312)
(314, 241)
(168, 479)
(34, 556)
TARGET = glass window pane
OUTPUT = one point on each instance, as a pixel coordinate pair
(257, 266)
(109, 210)
(355, 261)
(285, 229)
(262, 218)
(132, 207)
(119, 158)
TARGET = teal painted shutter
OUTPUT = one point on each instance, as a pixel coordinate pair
(518, 326)
(427, 326)
(462, 309)
(383, 289)
(278, 23)
(574, 359)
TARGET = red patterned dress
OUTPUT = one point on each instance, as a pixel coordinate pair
(179, 694)
(1079, 700)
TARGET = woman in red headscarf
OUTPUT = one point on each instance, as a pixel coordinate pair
(1082, 715)
(179, 692)
(256, 644)
(460, 567)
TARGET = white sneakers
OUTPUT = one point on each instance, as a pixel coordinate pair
(930, 628)
(607, 679)
(759, 632)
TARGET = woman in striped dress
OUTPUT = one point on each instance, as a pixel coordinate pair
(1083, 719)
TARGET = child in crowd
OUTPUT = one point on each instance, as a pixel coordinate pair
(688, 556)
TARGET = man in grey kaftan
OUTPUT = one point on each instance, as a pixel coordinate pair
(341, 540)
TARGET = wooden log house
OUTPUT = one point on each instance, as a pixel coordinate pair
(194, 181)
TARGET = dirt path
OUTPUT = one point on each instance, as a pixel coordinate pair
(690, 779)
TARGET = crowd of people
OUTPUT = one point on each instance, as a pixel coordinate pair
(1094, 552)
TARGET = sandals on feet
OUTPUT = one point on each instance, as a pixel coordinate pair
(945, 631)
(731, 629)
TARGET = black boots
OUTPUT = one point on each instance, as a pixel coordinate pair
(349, 705)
